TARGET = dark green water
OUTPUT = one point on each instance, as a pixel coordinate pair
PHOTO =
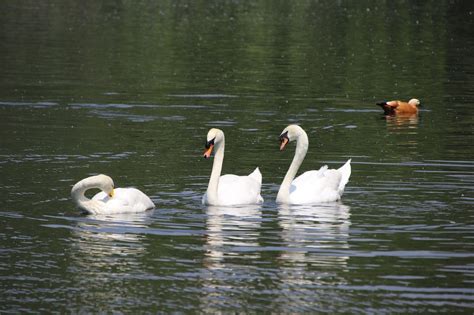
(130, 89)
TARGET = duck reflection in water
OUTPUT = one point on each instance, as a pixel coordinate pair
(316, 238)
(401, 121)
(405, 128)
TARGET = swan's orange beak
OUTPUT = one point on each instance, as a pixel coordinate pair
(112, 193)
(283, 143)
(207, 153)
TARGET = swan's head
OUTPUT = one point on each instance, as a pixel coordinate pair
(104, 183)
(214, 137)
(414, 101)
(290, 133)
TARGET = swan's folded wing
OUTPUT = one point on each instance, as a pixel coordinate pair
(102, 196)
(346, 173)
(316, 186)
(257, 175)
(239, 190)
(134, 198)
(119, 200)
(125, 200)
(310, 176)
(116, 205)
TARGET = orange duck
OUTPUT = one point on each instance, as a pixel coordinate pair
(399, 107)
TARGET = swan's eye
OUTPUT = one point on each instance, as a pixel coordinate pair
(209, 143)
(284, 136)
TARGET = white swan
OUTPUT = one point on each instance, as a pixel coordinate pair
(324, 185)
(228, 190)
(109, 200)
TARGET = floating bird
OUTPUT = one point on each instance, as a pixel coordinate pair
(229, 190)
(110, 200)
(399, 107)
(323, 185)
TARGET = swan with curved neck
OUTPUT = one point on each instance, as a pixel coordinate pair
(228, 190)
(110, 200)
(324, 185)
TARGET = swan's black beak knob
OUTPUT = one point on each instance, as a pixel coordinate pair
(284, 141)
(209, 147)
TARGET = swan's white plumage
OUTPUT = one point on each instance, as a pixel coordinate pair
(238, 190)
(124, 200)
(127, 199)
(323, 185)
(229, 190)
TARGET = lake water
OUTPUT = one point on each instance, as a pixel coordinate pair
(130, 89)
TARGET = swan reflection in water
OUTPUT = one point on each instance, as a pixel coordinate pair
(231, 246)
(231, 232)
(316, 238)
(105, 248)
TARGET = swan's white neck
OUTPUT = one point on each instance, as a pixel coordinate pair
(302, 144)
(77, 194)
(216, 172)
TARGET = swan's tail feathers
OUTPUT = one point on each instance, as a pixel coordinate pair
(346, 173)
(256, 175)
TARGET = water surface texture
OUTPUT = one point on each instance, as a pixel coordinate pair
(130, 89)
